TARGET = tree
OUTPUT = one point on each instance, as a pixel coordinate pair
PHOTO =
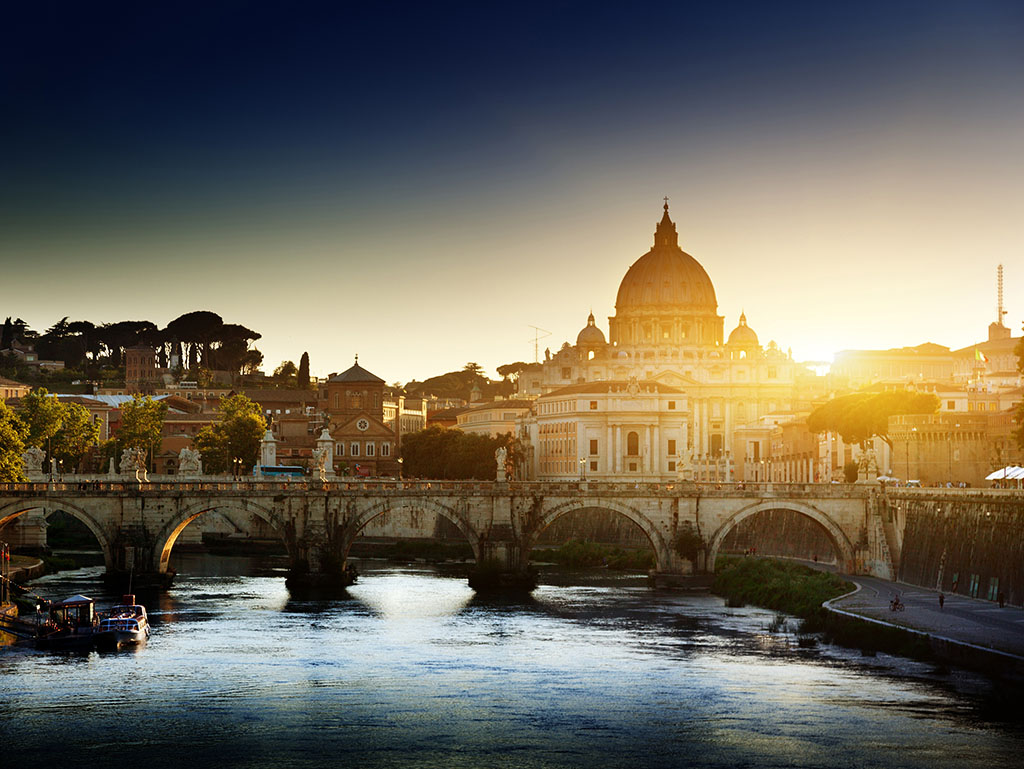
(65, 430)
(78, 433)
(7, 336)
(12, 433)
(237, 435)
(142, 424)
(859, 417)
(473, 368)
(286, 374)
(303, 377)
(452, 454)
(42, 414)
(197, 331)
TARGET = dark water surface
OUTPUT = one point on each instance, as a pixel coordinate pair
(415, 670)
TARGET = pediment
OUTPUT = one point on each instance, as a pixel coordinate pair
(350, 428)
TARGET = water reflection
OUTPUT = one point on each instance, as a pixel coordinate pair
(412, 669)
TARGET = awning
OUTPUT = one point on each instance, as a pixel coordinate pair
(1010, 472)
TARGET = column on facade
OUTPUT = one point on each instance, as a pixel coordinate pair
(656, 451)
(607, 465)
(696, 428)
(646, 458)
(618, 448)
(727, 436)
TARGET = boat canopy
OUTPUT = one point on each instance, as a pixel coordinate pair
(75, 600)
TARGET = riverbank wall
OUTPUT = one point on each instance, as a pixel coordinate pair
(945, 650)
(972, 547)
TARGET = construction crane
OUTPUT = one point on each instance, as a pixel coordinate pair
(537, 336)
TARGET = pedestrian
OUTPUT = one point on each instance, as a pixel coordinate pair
(1002, 599)
(942, 600)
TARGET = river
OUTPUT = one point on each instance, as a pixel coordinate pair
(413, 669)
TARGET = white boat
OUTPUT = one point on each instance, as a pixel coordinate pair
(124, 625)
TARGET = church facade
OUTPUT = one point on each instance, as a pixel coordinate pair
(665, 345)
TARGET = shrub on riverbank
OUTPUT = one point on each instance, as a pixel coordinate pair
(799, 590)
(780, 585)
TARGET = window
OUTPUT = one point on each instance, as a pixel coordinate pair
(566, 372)
(632, 467)
(593, 446)
(371, 449)
(672, 448)
(671, 466)
(339, 449)
(593, 465)
(950, 405)
(633, 445)
(353, 449)
(671, 405)
(972, 590)
(593, 405)
(385, 449)
(772, 372)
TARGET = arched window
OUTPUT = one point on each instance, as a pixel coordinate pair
(337, 400)
(633, 444)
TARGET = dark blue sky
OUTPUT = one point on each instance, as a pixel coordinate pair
(192, 129)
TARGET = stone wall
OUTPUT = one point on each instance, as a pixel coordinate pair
(972, 547)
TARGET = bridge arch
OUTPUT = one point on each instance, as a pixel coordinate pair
(168, 535)
(841, 544)
(14, 509)
(410, 505)
(663, 555)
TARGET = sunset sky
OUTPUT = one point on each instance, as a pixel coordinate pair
(421, 183)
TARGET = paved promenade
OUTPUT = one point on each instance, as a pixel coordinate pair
(963, 619)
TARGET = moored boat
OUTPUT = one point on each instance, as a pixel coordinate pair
(70, 626)
(125, 625)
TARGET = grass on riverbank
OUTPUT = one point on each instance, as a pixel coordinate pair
(799, 590)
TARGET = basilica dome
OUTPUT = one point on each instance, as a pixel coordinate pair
(666, 278)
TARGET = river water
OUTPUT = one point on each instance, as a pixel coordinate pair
(414, 670)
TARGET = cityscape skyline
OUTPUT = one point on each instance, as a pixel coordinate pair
(849, 178)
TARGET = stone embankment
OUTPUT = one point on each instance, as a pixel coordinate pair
(960, 630)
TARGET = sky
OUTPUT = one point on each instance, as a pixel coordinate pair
(422, 184)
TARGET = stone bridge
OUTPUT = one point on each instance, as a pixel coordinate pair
(137, 524)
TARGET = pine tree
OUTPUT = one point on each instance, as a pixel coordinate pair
(304, 371)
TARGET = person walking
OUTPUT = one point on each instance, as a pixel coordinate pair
(942, 600)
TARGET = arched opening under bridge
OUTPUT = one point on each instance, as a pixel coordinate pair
(30, 527)
(785, 530)
(576, 535)
(407, 529)
(227, 528)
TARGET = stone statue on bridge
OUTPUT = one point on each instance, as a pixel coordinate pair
(190, 462)
(320, 461)
(500, 455)
(133, 461)
(684, 467)
(33, 459)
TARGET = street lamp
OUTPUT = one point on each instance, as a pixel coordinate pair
(401, 462)
(583, 469)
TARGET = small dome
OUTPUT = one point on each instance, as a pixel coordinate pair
(743, 335)
(591, 335)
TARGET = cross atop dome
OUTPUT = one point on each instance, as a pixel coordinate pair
(665, 234)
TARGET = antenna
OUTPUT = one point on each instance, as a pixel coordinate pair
(1000, 312)
(537, 336)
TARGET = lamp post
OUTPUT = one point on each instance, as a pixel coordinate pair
(401, 461)
(583, 469)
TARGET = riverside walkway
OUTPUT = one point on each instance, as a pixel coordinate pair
(962, 619)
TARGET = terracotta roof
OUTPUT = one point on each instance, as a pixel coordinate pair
(264, 394)
(11, 383)
(510, 404)
(355, 374)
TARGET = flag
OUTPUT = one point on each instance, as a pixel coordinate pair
(980, 356)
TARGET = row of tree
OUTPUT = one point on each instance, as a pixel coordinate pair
(194, 339)
(66, 433)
